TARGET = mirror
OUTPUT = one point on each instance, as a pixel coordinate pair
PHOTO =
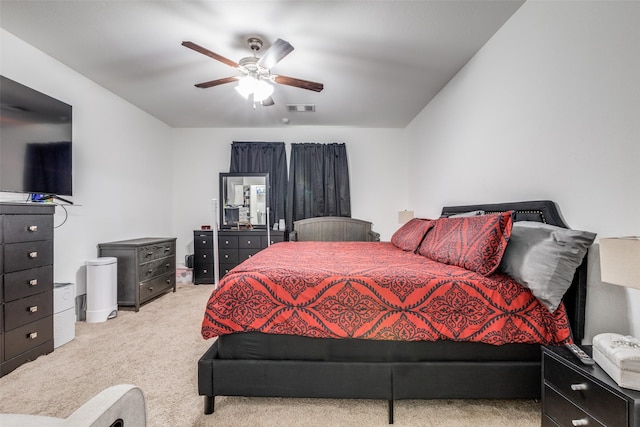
(244, 200)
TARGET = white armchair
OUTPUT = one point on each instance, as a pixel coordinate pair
(117, 406)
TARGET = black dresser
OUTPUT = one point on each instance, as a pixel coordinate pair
(234, 246)
(146, 268)
(26, 283)
(574, 394)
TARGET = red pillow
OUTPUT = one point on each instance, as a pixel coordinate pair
(476, 243)
(409, 236)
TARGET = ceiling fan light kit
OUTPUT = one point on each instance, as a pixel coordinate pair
(250, 86)
(256, 72)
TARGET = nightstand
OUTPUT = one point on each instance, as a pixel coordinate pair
(574, 394)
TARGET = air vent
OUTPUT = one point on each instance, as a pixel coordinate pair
(301, 108)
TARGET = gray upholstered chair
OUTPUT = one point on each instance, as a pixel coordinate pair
(118, 406)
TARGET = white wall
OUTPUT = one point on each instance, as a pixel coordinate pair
(122, 162)
(548, 109)
(376, 169)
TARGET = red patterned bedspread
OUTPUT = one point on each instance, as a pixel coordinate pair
(373, 290)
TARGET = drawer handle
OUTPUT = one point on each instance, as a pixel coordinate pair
(33, 308)
(151, 288)
(580, 422)
(33, 228)
(150, 253)
(204, 241)
(249, 256)
(226, 256)
(168, 280)
(248, 242)
(167, 249)
(579, 387)
(33, 335)
(33, 282)
(167, 265)
(226, 242)
(205, 271)
(151, 270)
(204, 256)
(33, 254)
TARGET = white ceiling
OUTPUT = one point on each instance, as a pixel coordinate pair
(380, 61)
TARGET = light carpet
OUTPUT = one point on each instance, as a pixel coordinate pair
(158, 348)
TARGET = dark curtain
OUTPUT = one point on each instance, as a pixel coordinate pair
(318, 182)
(261, 157)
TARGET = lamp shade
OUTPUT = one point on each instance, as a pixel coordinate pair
(246, 86)
(620, 261)
(404, 216)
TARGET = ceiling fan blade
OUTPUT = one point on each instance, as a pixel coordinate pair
(303, 84)
(267, 102)
(210, 54)
(275, 53)
(217, 82)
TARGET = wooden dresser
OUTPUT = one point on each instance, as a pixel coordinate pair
(234, 246)
(146, 268)
(26, 283)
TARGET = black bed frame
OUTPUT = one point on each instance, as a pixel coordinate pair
(395, 380)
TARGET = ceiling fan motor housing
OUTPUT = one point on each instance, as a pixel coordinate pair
(255, 44)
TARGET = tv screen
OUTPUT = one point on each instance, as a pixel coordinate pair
(35, 141)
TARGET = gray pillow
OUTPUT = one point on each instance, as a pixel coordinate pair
(544, 258)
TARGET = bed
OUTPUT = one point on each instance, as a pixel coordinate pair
(279, 348)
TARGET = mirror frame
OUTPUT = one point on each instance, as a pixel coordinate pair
(223, 198)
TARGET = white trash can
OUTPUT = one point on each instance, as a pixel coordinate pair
(102, 289)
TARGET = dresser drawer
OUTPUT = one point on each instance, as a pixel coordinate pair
(154, 287)
(250, 241)
(225, 268)
(27, 228)
(226, 241)
(203, 241)
(203, 256)
(23, 283)
(22, 256)
(564, 413)
(608, 408)
(229, 256)
(203, 271)
(245, 254)
(31, 354)
(155, 251)
(27, 337)
(155, 268)
(27, 310)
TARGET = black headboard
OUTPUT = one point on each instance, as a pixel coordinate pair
(542, 211)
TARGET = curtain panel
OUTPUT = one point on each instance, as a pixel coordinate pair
(264, 157)
(318, 182)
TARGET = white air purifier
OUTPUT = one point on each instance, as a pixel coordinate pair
(64, 313)
(102, 289)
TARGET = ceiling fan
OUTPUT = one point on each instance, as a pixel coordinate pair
(255, 72)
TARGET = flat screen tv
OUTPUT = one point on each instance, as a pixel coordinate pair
(35, 142)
